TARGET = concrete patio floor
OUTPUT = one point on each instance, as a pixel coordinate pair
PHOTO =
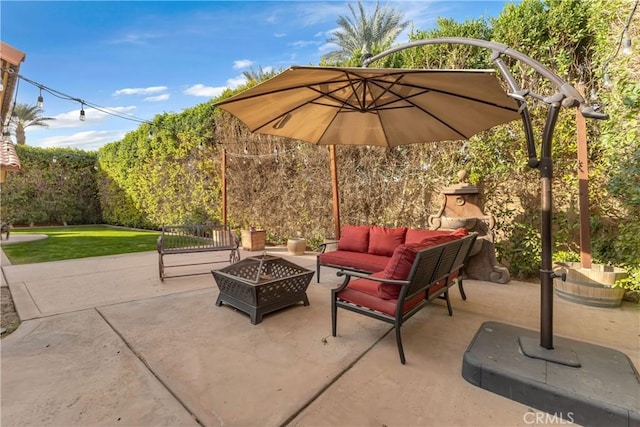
(104, 342)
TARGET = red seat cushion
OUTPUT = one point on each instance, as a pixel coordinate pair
(353, 294)
(383, 241)
(369, 287)
(355, 260)
(354, 238)
(436, 287)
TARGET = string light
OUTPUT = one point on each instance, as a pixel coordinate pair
(624, 42)
(82, 115)
(40, 103)
(275, 154)
(626, 46)
(62, 95)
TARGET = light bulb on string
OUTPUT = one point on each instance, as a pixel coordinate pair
(82, 115)
(607, 81)
(626, 45)
(40, 103)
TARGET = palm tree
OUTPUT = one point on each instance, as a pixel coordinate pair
(365, 33)
(25, 115)
(259, 75)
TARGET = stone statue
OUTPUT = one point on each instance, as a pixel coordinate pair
(461, 208)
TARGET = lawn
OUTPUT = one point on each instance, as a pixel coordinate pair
(78, 242)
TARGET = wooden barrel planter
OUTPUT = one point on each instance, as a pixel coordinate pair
(296, 246)
(593, 287)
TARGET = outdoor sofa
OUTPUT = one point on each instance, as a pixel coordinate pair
(369, 248)
(415, 274)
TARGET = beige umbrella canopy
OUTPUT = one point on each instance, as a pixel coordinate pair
(368, 106)
(378, 107)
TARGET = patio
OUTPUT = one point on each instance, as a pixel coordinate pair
(104, 341)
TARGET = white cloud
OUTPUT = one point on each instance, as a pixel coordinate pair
(136, 39)
(234, 82)
(71, 119)
(303, 43)
(310, 13)
(242, 63)
(202, 90)
(140, 90)
(279, 35)
(328, 46)
(157, 98)
(213, 91)
(88, 140)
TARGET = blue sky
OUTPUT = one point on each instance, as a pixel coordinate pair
(143, 58)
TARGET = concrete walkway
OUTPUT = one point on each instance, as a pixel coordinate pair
(104, 342)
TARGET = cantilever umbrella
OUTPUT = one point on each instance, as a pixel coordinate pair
(378, 107)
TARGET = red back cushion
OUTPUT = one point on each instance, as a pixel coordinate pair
(399, 266)
(417, 236)
(383, 241)
(444, 238)
(354, 238)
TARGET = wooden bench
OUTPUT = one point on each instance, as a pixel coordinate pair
(392, 298)
(186, 239)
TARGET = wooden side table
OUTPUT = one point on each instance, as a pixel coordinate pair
(254, 240)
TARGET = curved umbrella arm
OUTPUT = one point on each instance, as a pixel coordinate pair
(570, 96)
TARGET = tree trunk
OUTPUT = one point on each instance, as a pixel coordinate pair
(21, 138)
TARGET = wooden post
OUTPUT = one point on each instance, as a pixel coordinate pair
(224, 186)
(336, 194)
(583, 187)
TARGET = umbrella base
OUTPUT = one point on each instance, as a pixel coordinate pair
(602, 391)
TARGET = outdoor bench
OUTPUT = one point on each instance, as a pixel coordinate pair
(186, 239)
(416, 274)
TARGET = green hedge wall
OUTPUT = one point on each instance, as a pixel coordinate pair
(54, 186)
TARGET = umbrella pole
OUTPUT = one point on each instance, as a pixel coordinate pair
(336, 194)
(224, 186)
(583, 187)
(546, 272)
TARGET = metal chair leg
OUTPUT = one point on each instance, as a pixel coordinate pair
(462, 294)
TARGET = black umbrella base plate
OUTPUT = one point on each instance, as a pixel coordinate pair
(602, 390)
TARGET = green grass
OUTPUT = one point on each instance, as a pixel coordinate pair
(78, 242)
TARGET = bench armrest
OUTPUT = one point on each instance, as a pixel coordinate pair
(160, 244)
(323, 246)
(349, 274)
(374, 279)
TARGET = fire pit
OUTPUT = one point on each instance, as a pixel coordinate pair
(262, 284)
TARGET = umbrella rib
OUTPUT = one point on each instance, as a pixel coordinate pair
(424, 90)
(443, 92)
(385, 89)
